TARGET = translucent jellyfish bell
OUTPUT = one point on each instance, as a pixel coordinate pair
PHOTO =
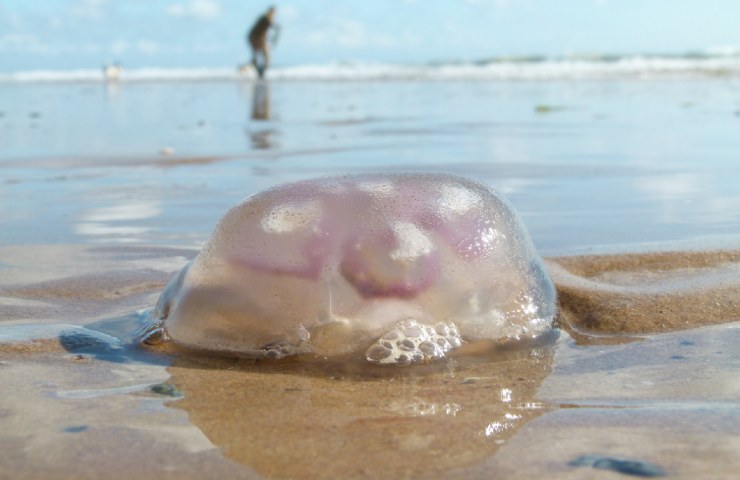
(394, 269)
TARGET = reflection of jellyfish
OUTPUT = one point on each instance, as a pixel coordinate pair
(261, 139)
(294, 421)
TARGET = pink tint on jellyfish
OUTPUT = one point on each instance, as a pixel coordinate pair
(396, 261)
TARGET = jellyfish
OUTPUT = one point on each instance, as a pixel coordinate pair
(389, 269)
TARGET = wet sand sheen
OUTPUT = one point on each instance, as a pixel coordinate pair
(287, 421)
(298, 420)
(283, 422)
(634, 164)
(647, 293)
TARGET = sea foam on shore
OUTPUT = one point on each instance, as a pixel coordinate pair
(724, 63)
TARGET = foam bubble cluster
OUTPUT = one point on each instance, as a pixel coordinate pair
(409, 342)
(396, 269)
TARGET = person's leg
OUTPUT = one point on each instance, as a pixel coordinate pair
(266, 53)
(261, 66)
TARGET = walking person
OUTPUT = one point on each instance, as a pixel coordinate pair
(257, 39)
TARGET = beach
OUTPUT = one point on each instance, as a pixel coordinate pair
(627, 185)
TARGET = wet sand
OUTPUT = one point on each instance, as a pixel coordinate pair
(668, 398)
(633, 294)
(630, 195)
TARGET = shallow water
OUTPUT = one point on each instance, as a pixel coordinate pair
(658, 156)
(94, 220)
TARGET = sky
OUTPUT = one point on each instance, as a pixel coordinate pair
(76, 34)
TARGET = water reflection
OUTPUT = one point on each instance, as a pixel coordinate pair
(292, 420)
(689, 198)
(261, 101)
(261, 138)
(118, 223)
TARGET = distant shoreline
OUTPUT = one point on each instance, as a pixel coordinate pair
(532, 67)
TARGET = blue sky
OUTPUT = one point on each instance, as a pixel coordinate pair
(70, 34)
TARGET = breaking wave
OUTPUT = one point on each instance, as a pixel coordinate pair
(718, 62)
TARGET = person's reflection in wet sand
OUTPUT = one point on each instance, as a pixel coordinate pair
(261, 101)
(294, 419)
(112, 90)
(261, 138)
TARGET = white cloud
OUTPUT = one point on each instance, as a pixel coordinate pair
(87, 47)
(207, 48)
(143, 46)
(28, 43)
(148, 47)
(348, 33)
(288, 12)
(55, 22)
(491, 3)
(198, 9)
(10, 20)
(89, 9)
(119, 47)
(22, 42)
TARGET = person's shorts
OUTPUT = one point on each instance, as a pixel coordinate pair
(258, 44)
